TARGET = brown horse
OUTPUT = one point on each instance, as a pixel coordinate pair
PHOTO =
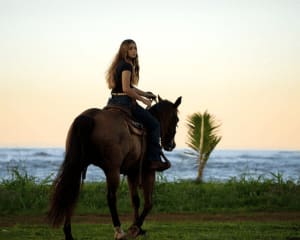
(104, 138)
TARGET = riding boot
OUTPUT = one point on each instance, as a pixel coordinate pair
(158, 165)
(154, 159)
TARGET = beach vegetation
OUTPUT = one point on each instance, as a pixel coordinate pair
(23, 195)
(202, 138)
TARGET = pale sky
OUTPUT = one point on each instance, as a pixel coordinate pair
(239, 60)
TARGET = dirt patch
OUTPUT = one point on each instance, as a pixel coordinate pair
(164, 217)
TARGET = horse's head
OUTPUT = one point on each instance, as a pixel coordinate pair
(166, 112)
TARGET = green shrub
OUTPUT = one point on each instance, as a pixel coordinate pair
(22, 194)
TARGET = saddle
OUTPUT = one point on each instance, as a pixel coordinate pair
(134, 126)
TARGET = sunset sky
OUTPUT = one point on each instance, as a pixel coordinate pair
(239, 60)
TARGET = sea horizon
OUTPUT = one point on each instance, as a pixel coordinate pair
(176, 148)
(223, 164)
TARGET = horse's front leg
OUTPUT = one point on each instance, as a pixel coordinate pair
(147, 186)
(113, 181)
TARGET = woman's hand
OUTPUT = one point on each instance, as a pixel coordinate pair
(150, 95)
(147, 102)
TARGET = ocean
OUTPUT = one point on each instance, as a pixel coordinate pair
(223, 165)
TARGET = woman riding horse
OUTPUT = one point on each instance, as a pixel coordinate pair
(103, 137)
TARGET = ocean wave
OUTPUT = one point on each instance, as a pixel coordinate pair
(42, 154)
(222, 164)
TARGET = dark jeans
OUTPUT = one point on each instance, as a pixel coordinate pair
(150, 122)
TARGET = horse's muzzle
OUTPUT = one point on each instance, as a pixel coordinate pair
(169, 146)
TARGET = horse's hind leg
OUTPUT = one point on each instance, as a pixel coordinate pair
(67, 228)
(135, 200)
(113, 181)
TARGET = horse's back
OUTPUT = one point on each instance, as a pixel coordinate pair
(103, 117)
(113, 138)
(91, 112)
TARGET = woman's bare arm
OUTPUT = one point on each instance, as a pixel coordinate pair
(133, 92)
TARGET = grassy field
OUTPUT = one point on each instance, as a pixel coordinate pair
(270, 209)
(165, 231)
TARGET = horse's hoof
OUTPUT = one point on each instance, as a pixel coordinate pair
(142, 232)
(119, 234)
(135, 231)
(69, 237)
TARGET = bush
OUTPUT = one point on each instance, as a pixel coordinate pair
(22, 194)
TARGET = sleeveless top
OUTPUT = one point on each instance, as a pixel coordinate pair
(122, 66)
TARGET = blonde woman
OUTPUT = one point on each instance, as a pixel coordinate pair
(122, 78)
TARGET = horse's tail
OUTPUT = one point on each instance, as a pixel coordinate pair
(66, 186)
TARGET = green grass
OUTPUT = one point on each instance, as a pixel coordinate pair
(165, 231)
(22, 195)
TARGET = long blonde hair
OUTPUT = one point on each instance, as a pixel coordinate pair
(122, 55)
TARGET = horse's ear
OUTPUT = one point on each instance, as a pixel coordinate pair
(177, 103)
(159, 98)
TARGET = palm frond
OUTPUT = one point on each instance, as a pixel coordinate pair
(194, 131)
(202, 137)
(210, 134)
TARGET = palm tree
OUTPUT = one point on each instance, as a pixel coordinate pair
(202, 138)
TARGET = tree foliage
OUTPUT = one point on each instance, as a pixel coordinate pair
(202, 137)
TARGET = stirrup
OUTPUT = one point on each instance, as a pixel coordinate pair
(164, 157)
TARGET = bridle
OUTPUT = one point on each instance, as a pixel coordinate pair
(167, 135)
